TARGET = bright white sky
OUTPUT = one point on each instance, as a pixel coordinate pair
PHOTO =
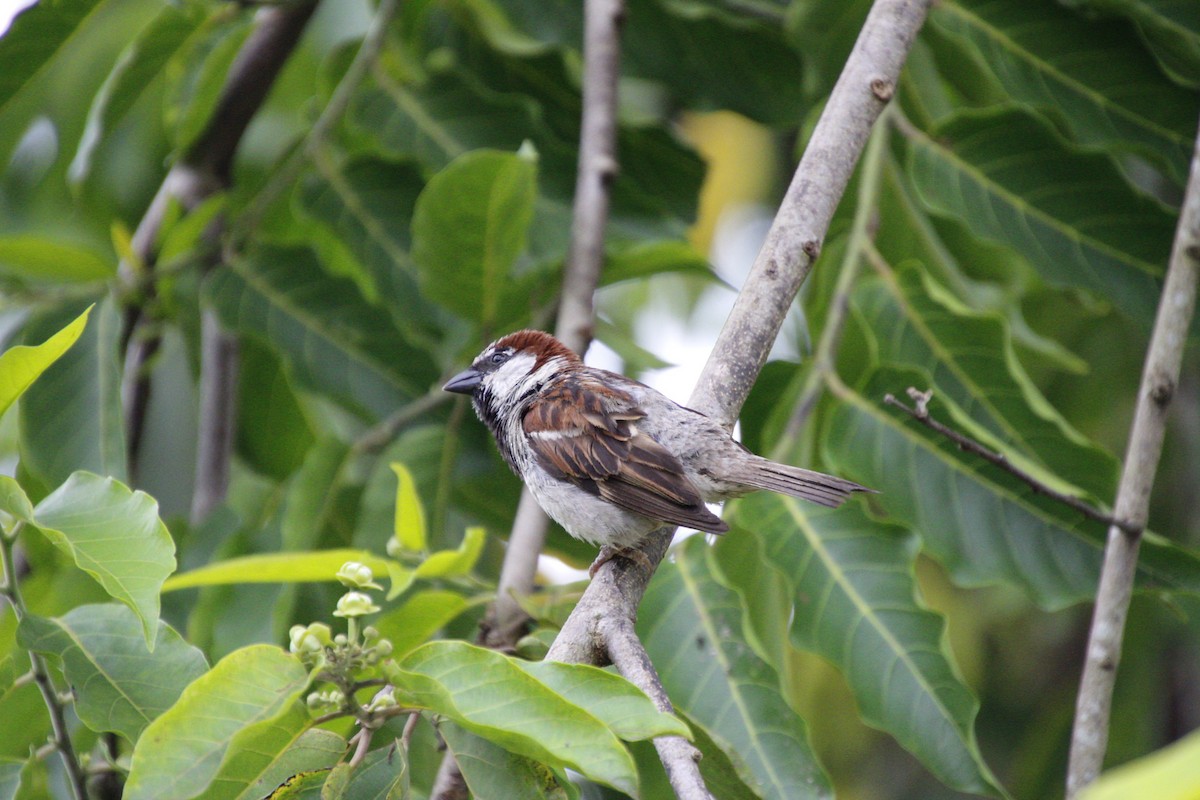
(9, 9)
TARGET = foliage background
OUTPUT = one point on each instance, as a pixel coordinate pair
(1007, 232)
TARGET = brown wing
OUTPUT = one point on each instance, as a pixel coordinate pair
(586, 432)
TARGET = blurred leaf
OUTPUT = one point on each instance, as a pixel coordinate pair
(494, 696)
(10, 777)
(43, 260)
(20, 366)
(204, 66)
(1171, 28)
(983, 524)
(970, 358)
(118, 685)
(692, 629)
(1010, 178)
(13, 500)
(181, 752)
(382, 775)
(451, 563)
(114, 535)
(643, 259)
(421, 616)
(469, 226)
(71, 418)
(493, 773)
(321, 565)
(142, 60)
(410, 516)
(273, 433)
(335, 343)
(37, 36)
(823, 32)
(1094, 77)
(1172, 773)
(855, 604)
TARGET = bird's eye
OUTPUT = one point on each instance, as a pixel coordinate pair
(498, 358)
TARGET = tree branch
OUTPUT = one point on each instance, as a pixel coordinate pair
(921, 414)
(202, 171)
(793, 243)
(1160, 376)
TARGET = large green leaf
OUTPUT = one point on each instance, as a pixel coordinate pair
(118, 685)
(1010, 178)
(498, 698)
(855, 604)
(1092, 75)
(71, 418)
(493, 773)
(300, 567)
(692, 628)
(468, 227)
(36, 37)
(263, 755)
(182, 751)
(22, 365)
(334, 341)
(114, 535)
(1170, 27)
(40, 259)
(969, 357)
(142, 60)
(986, 526)
(382, 775)
(421, 616)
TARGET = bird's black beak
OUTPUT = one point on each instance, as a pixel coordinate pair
(464, 382)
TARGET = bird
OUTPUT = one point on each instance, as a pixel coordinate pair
(612, 459)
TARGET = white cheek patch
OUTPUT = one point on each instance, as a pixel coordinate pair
(504, 381)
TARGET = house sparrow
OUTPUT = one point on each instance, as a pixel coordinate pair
(611, 459)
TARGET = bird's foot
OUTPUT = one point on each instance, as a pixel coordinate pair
(609, 552)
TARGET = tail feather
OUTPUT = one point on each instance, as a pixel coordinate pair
(817, 487)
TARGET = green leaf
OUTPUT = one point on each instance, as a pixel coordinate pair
(71, 418)
(1093, 76)
(410, 516)
(969, 357)
(491, 695)
(382, 775)
(13, 500)
(855, 603)
(20, 366)
(10, 777)
(1010, 178)
(37, 36)
(114, 535)
(118, 685)
(41, 260)
(263, 755)
(693, 631)
(452, 563)
(334, 341)
(421, 616)
(1172, 773)
(983, 524)
(296, 567)
(142, 60)
(493, 773)
(181, 752)
(469, 226)
(1171, 28)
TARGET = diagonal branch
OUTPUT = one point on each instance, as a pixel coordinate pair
(1160, 376)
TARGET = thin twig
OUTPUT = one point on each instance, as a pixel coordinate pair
(363, 740)
(920, 412)
(11, 590)
(857, 241)
(219, 367)
(410, 726)
(1160, 377)
(333, 112)
(793, 243)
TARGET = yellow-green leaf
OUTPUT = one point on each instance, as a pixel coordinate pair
(20, 366)
(410, 516)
